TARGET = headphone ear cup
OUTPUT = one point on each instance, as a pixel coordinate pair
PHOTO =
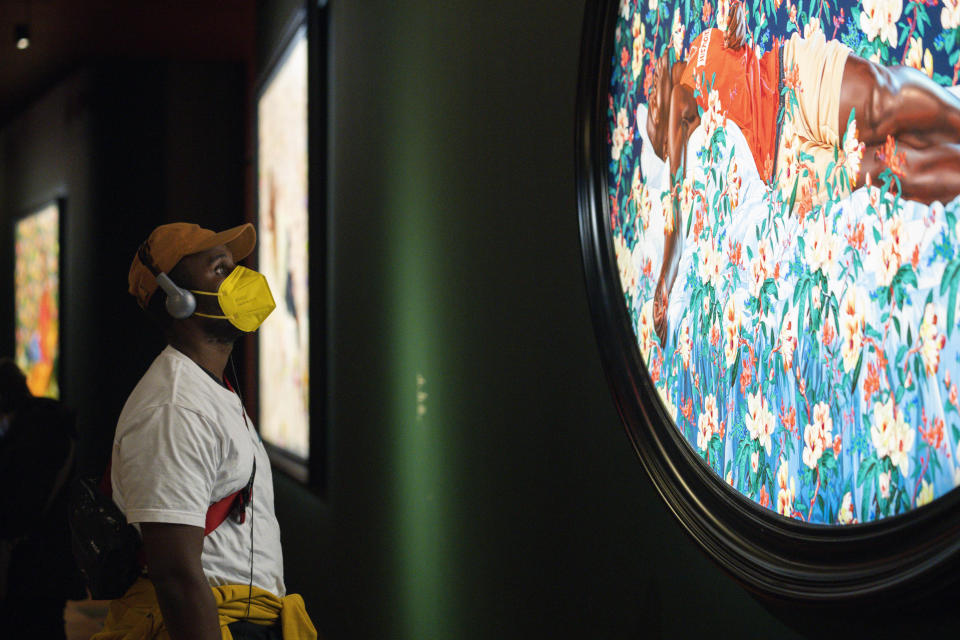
(180, 302)
(181, 305)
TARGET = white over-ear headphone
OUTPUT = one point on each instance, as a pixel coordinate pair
(180, 302)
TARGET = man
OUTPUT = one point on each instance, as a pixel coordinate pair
(184, 442)
(890, 105)
(37, 451)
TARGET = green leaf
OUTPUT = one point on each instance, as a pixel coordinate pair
(866, 470)
(949, 272)
(856, 376)
(952, 305)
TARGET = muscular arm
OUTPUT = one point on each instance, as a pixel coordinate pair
(173, 560)
(684, 118)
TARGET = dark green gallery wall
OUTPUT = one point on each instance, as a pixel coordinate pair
(479, 483)
(505, 499)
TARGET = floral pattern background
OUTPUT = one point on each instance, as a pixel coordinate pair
(37, 299)
(810, 358)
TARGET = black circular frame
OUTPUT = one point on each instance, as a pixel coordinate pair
(904, 556)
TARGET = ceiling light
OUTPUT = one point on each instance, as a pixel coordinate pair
(21, 36)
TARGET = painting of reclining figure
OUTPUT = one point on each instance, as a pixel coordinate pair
(783, 195)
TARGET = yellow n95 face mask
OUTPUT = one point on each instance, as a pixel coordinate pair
(245, 299)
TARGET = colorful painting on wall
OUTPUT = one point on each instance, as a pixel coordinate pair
(282, 174)
(37, 299)
(783, 180)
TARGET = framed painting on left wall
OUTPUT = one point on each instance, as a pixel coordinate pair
(37, 298)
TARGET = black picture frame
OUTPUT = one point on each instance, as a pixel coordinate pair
(904, 557)
(309, 20)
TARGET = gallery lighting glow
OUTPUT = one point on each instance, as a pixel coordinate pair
(21, 36)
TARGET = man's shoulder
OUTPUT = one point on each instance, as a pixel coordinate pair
(168, 382)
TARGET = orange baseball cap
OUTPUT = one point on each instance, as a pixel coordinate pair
(169, 243)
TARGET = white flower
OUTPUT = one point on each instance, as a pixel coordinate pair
(891, 435)
(786, 493)
(723, 14)
(625, 9)
(886, 262)
(926, 493)
(884, 481)
(647, 336)
(902, 442)
(707, 422)
(640, 195)
(620, 134)
(666, 204)
(731, 331)
(685, 345)
(847, 514)
(652, 4)
(931, 340)
(882, 429)
(754, 461)
(811, 28)
(950, 14)
(639, 37)
(729, 478)
(670, 407)
(677, 33)
(713, 118)
(914, 53)
(889, 253)
(759, 420)
(710, 264)
(822, 246)
(788, 338)
(817, 435)
(851, 328)
(628, 271)
(852, 152)
(956, 477)
(879, 19)
(916, 57)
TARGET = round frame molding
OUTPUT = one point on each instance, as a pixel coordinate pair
(905, 556)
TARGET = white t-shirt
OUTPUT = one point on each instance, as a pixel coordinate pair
(183, 442)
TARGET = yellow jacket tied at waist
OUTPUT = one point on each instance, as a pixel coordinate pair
(136, 616)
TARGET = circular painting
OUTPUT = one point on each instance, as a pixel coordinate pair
(777, 184)
(783, 210)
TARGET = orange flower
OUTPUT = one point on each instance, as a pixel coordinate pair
(934, 435)
(855, 238)
(888, 156)
(764, 496)
(871, 383)
(829, 333)
(788, 417)
(733, 253)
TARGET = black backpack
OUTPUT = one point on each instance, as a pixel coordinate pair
(108, 549)
(105, 546)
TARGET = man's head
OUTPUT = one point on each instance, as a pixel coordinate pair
(194, 259)
(658, 105)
